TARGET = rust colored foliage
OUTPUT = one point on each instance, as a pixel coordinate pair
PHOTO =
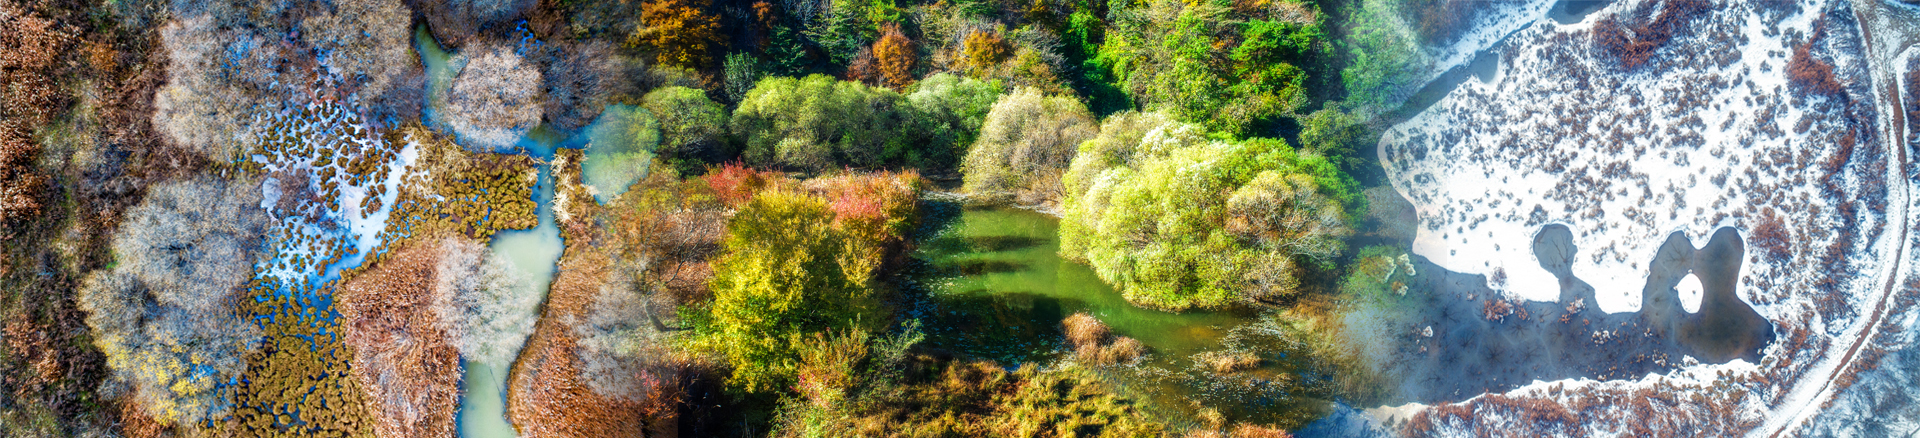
(680, 32)
(984, 49)
(735, 183)
(403, 357)
(1635, 45)
(894, 55)
(30, 48)
(1810, 75)
(1771, 236)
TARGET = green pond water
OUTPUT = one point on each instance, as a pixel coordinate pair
(1000, 290)
(990, 284)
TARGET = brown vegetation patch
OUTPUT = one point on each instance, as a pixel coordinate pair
(297, 383)
(1224, 362)
(1636, 44)
(1811, 75)
(403, 357)
(1094, 343)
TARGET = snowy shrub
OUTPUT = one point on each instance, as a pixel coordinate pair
(1025, 143)
(496, 98)
(491, 307)
(164, 315)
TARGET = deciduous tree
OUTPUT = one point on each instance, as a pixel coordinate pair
(1025, 145)
(496, 98)
(165, 314)
(680, 32)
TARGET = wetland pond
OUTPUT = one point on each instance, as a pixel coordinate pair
(988, 282)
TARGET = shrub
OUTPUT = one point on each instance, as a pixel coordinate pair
(1384, 63)
(395, 318)
(1206, 64)
(367, 43)
(948, 112)
(1026, 142)
(679, 32)
(1340, 136)
(218, 79)
(164, 315)
(816, 123)
(1635, 45)
(691, 125)
(623, 346)
(580, 80)
(1811, 75)
(486, 306)
(20, 184)
(457, 22)
(1224, 362)
(496, 98)
(984, 49)
(1176, 221)
(1093, 343)
(958, 398)
(780, 276)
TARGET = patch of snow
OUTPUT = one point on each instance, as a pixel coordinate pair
(1690, 292)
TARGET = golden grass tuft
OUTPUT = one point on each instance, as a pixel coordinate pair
(1096, 344)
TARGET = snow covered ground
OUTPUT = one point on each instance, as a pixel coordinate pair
(1710, 132)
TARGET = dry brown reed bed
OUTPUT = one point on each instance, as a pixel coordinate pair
(661, 219)
(1095, 344)
(545, 395)
(403, 355)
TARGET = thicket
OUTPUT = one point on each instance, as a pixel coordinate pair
(496, 98)
(1025, 144)
(1208, 63)
(30, 49)
(817, 123)
(1384, 62)
(485, 306)
(395, 317)
(692, 128)
(1176, 220)
(166, 313)
(1635, 39)
(800, 260)
(919, 396)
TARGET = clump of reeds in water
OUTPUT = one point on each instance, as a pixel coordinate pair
(1093, 343)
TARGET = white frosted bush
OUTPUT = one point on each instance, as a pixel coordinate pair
(165, 315)
(623, 349)
(492, 306)
(496, 98)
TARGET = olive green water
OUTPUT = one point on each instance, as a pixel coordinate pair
(1001, 289)
(992, 285)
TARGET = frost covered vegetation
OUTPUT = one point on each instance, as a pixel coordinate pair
(272, 218)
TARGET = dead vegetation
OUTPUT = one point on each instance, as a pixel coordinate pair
(1093, 343)
(403, 356)
(1636, 38)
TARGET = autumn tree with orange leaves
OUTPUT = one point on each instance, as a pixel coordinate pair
(680, 32)
(894, 56)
